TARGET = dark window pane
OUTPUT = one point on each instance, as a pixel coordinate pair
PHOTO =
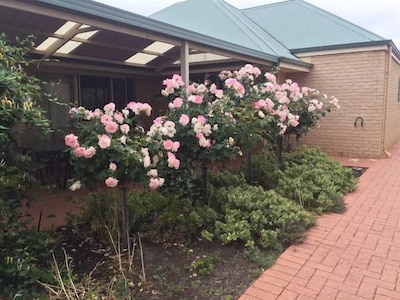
(119, 92)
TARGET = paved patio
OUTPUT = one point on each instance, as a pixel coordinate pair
(354, 255)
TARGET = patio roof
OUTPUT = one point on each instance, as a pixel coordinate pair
(91, 33)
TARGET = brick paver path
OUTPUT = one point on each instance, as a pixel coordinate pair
(354, 255)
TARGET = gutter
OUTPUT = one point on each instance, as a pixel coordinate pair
(344, 46)
(295, 62)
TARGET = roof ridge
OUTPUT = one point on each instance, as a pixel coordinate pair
(229, 7)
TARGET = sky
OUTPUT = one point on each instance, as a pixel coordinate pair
(382, 17)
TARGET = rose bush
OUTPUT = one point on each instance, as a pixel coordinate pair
(110, 146)
(201, 120)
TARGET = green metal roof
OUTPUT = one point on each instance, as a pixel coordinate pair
(218, 19)
(298, 24)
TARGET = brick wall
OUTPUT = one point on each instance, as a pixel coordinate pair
(392, 130)
(358, 81)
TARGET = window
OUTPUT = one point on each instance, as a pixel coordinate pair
(96, 91)
(61, 87)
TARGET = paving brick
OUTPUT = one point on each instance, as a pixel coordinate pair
(394, 253)
(319, 255)
(331, 259)
(278, 274)
(381, 297)
(341, 287)
(293, 265)
(342, 268)
(367, 291)
(316, 283)
(378, 283)
(346, 296)
(273, 280)
(270, 288)
(376, 264)
(328, 293)
(288, 255)
(305, 272)
(284, 269)
(353, 279)
(301, 297)
(389, 275)
(259, 294)
(288, 295)
(247, 297)
(388, 293)
(302, 290)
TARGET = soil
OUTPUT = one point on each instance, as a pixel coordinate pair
(166, 274)
(357, 171)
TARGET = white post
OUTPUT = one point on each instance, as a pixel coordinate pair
(185, 62)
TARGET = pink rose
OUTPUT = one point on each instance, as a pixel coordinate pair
(112, 166)
(111, 182)
(184, 119)
(109, 108)
(105, 119)
(111, 127)
(90, 152)
(153, 183)
(124, 128)
(104, 141)
(201, 119)
(177, 102)
(168, 144)
(152, 173)
(79, 151)
(146, 161)
(119, 117)
(173, 162)
(158, 121)
(205, 143)
(71, 140)
(196, 99)
(175, 146)
(97, 113)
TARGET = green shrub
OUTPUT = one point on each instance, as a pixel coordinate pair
(223, 179)
(24, 260)
(151, 213)
(254, 216)
(315, 181)
(264, 169)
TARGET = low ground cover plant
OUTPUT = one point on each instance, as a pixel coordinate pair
(315, 181)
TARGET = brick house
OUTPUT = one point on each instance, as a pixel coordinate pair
(106, 54)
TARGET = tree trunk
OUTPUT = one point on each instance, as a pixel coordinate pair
(249, 175)
(204, 180)
(280, 151)
(125, 220)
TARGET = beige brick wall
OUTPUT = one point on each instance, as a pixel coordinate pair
(392, 129)
(358, 81)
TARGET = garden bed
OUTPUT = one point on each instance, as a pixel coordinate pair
(166, 267)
